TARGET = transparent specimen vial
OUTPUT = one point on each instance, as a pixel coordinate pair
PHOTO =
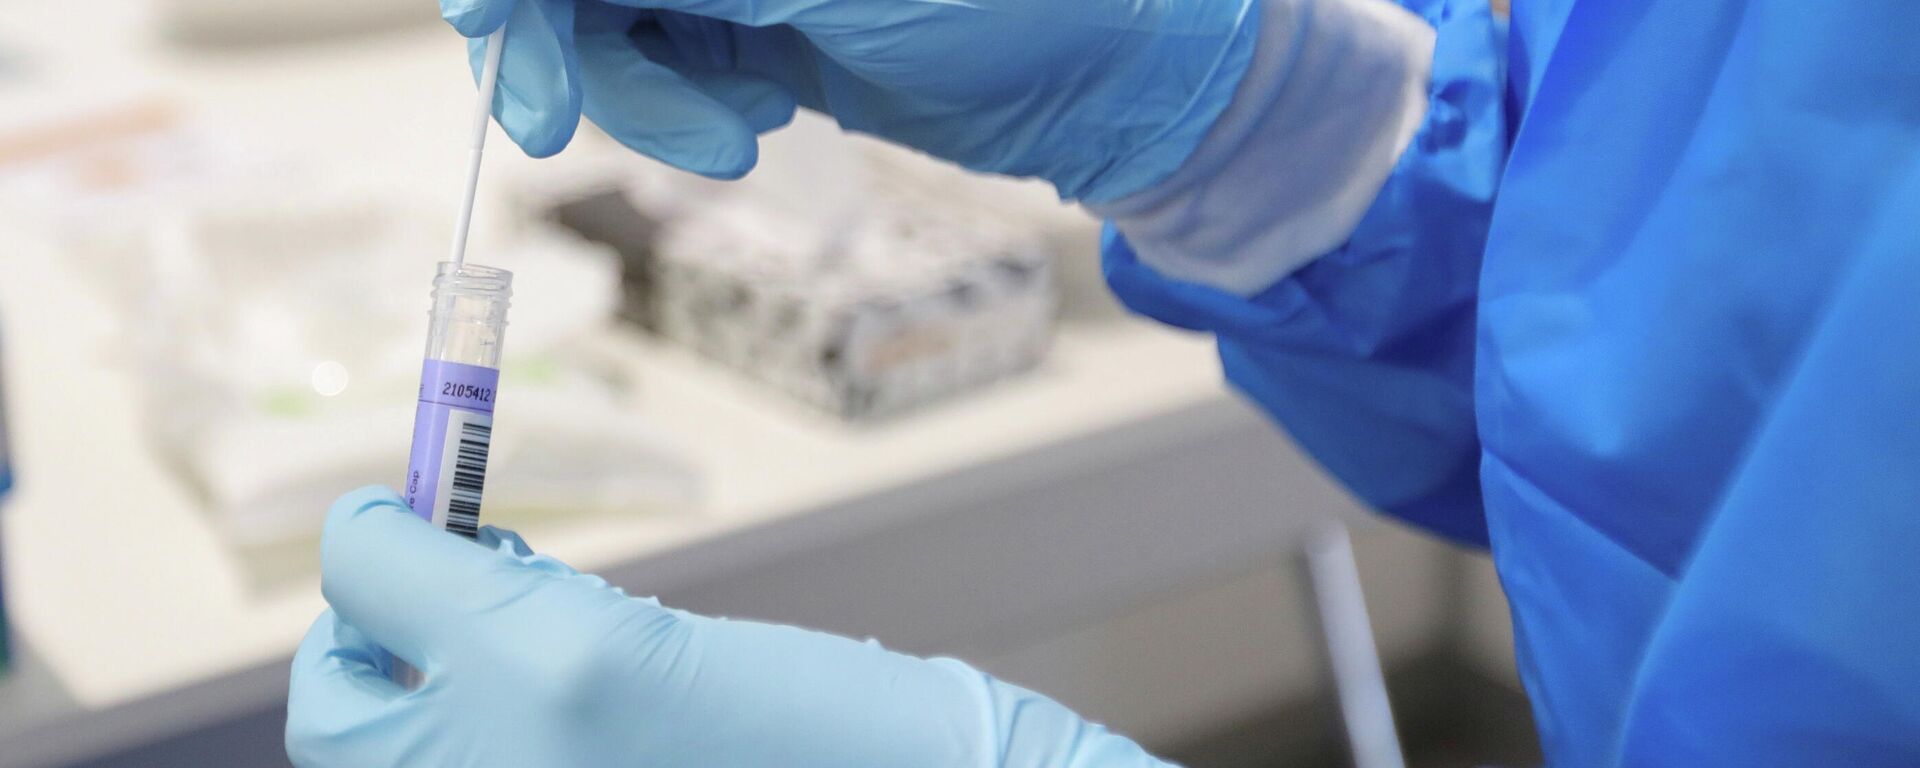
(453, 423)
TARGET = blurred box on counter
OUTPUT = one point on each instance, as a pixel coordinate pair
(887, 311)
(858, 289)
(602, 214)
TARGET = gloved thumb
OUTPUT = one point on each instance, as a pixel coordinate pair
(424, 594)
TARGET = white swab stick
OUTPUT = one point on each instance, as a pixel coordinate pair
(477, 141)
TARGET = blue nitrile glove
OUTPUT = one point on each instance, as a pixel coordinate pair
(529, 663)
(1100, 97)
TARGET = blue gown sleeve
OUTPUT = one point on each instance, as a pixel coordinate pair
(1365, 355)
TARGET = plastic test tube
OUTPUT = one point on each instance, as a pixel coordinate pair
(453, 424)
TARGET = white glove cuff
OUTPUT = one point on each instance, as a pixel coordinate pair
(1333, 96)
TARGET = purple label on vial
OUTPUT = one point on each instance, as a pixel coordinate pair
(452, 432)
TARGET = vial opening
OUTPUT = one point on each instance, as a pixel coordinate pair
(476, 279)
(469, 315)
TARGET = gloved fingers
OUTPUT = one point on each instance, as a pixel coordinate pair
(764, 104)
(416, 590)
(343, 708)
(476, 18)
(509, 543)
(539, 89)
(752, 13)
(658, 112)
(700, 50)
(503, 540)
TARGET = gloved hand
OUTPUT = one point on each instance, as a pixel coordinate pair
(1100, 97)
(529, 663)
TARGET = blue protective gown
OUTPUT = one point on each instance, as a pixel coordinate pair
(1639, 309)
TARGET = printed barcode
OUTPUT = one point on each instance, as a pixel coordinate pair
(469, 474)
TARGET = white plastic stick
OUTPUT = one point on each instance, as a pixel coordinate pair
(1358, 679)
(477, 141)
